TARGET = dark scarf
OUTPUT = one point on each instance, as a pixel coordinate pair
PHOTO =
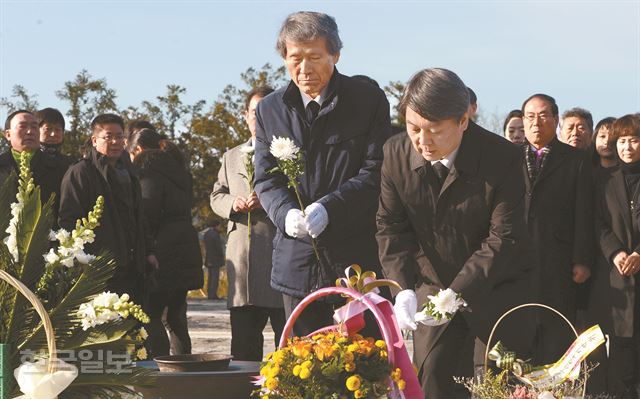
(533, 170)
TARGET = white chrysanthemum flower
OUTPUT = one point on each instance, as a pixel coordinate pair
(12, 246)
(283, 148)
(446, 301)
(62, 235)
(84, 258)
(52, 235)
(51, 257)
(66, 252)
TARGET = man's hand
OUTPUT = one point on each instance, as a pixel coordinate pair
(405, 309)
(253, 202)
(294, 224)
(581, 273)
(153, 261)
(619, 260)
(632, 264)
(317, 219)
(240, 205)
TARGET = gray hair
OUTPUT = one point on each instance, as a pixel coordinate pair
(305, 26)
(581, 113)
(435, 94)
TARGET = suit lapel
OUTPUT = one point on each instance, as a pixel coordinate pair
(555, 158)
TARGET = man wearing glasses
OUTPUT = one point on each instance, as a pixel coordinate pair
(106, 170)
(559, 215)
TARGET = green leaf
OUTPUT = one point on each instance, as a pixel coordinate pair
(102, 334)
(92, 281)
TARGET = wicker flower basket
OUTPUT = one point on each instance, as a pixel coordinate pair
(44, 316)
(527, 305)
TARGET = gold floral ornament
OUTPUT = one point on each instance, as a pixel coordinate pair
(363, 282)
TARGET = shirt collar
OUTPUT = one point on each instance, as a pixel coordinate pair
(448, 160)
(319, 99)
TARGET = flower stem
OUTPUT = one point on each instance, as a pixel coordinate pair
(313, 240)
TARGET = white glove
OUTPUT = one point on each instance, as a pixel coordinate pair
(294, 224)
(405, 309)
(317, 219)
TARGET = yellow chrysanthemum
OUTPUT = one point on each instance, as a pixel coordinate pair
(402, 385)
(383, 354)
(396, 374)
(271, 384)
(265, 370)
(296, 370)
(358, 394)
(274, 371)
(304, 373)
(352, 347)
(350, 366)
(381, 344)
(307, 364)
(353, 382)
(278, 357)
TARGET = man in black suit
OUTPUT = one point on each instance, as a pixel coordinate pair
(451, 216)
(559, 211)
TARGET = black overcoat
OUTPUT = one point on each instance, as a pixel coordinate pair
(343, 154)
(612, 296)
(560, 219)
(82, 184)
(167, 196)
(470, 236)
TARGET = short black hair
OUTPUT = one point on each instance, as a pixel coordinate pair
(544, 97)
(260, 91)
(435, 94)
(104, 119)
(139, 124)
(7, 122)
(51, 116)
(473, 99)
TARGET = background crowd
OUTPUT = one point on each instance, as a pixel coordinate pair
(554, 209)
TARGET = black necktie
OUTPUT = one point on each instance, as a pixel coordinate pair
(441, 172)
(312, 111)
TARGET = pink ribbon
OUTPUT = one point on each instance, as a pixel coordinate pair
(351, 316)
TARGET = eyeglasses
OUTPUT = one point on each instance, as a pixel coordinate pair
(112, 139)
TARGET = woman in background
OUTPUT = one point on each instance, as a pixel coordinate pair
(615, 296)
(167, 198)
(513, 128)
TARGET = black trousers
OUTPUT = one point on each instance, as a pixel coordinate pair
(158, 343)
(452, 355)
(247, 323)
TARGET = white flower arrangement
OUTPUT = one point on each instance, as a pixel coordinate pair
(107, 307)
(72, 244)
(441, 308)
(25, 188)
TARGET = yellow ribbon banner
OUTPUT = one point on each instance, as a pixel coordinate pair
(568, 366)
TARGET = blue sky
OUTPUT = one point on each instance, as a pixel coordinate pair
(584, 53)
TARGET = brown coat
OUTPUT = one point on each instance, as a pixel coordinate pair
(248, 264)
(470, 237)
